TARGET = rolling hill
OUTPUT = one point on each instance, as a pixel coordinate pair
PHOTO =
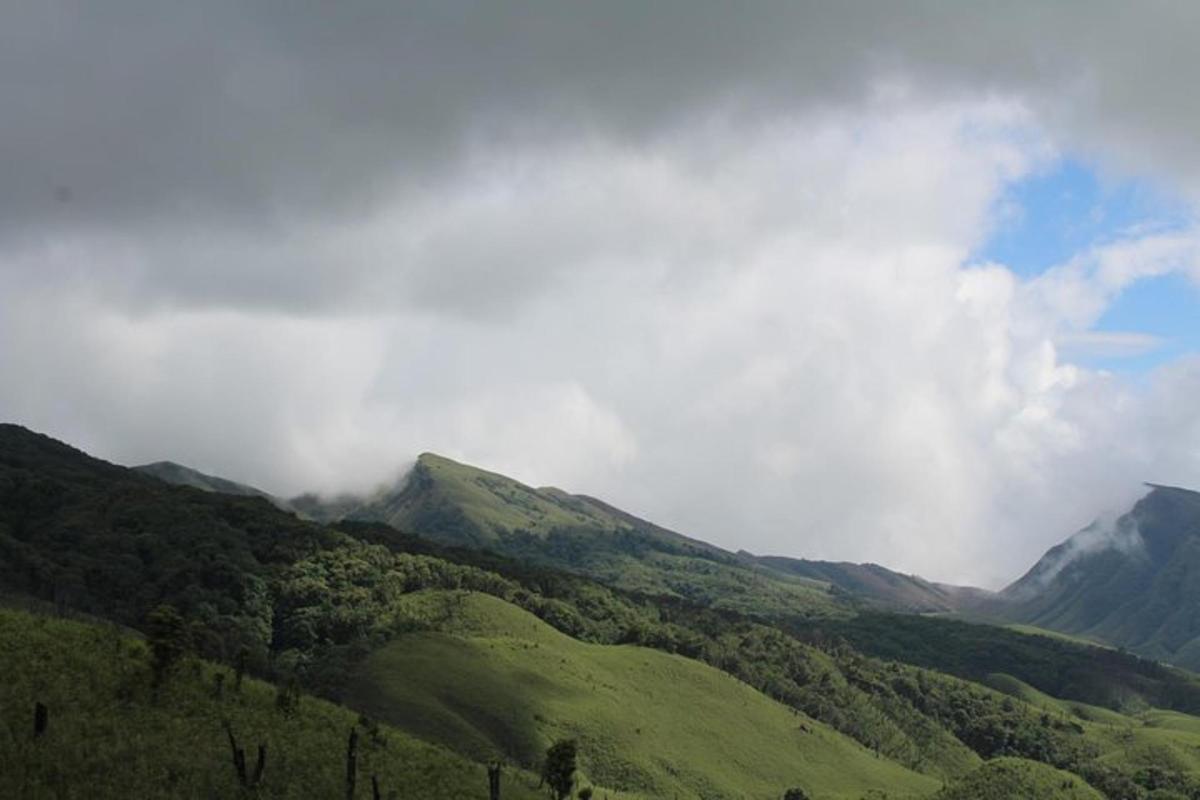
(111, 734)
(490, 678)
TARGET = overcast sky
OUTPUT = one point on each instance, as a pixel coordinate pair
(913, 283)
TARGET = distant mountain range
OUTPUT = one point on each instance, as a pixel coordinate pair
(1132, 582)
(457, 504)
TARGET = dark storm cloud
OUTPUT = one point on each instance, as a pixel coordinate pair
(249, 114)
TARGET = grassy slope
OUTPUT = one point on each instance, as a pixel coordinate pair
(498, 679)
(1057, 665)
(879, 585)
(1010, 778)
(460, 504)
(1034, 630)
(1014, 687)
(490, 504)
(109, 738)
(1150, 739)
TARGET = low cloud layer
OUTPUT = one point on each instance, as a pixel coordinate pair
(713, 267)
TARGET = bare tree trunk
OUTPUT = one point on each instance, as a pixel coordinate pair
(41, 718)
(237, 754)
(351, 763)
(494, 780)
(260, 764)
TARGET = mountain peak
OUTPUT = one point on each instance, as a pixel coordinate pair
(1129, 580)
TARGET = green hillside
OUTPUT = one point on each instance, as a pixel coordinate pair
(458, 504)
(1012, 778)
(111, 735)
(872, 582)
(1014, 687)
(1056, 665)
(495, 679)
(317, 606)
(480, 506)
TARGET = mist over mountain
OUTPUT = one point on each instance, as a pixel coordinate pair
(457, 504)
(1132, 581)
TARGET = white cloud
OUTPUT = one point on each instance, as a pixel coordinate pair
(728, 291)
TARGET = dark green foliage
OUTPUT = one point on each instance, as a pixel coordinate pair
(795, 794)
(559, 770)
(105, 540)
(1093, 675)
(167, 635)
(287, 696)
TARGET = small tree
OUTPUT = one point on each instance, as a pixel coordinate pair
(795, 794)
(559, 769)
(167, 634)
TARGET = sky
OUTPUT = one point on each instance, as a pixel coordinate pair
(914, 284)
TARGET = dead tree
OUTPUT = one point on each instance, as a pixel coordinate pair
(351, 763)
(238, 755)
(41, 718)
(494, 780)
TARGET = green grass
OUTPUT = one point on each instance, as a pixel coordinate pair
(1034, 630)
(493, 678)
(1013, 778)
(1017, 688)
(461, 504)
(495, 503)
(109, 736)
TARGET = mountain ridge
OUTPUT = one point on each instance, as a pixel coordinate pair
(1132, 582)
(462, 505)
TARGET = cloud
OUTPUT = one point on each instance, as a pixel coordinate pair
(710, 265)
(1107, 344)
(270, 115)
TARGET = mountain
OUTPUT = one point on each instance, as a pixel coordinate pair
(879, 585)
(179, 475)
(1133, 582)
(512, 653)
(458, 504)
